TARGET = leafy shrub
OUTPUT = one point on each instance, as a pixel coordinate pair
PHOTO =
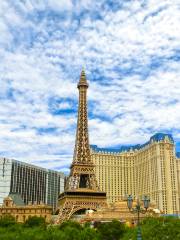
(7, 221)
(35, 221)
(112, 230)
(71, 224)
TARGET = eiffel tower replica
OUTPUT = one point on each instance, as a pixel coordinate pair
(81, 190)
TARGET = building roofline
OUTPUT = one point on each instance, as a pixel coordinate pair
(33, 166)
(127, 148)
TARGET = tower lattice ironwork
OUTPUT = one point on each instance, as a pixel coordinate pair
(81, 190)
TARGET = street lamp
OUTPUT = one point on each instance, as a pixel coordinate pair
(138, 210)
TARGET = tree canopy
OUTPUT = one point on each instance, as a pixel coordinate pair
(36, 229)
(35, 221)
(7, 221)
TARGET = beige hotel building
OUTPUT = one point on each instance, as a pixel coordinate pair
(151, 169)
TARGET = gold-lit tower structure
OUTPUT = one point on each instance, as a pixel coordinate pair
(81, 191)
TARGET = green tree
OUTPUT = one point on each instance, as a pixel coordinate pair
(71, 233)
(35, 221)
(71, 224)
(71, 230)
(74, 231)
(89, 234)
(7, 221)
(130, 234)
(161, 228)
(55, 233)
(152, 229)
(111, 231)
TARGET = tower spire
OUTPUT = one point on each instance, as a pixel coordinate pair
(82, 80)
(82, 174)
(82, 149)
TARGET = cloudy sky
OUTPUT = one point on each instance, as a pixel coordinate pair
(131, 53)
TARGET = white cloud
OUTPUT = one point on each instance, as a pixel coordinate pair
(60, 5)
(5, 35)
(131, 59)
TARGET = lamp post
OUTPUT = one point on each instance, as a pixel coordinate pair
(138, 210)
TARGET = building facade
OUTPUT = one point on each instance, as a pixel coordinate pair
(150, 169)
(178, 174)
(34, 184)
(22, 212)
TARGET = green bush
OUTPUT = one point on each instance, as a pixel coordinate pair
(111, 231)
(161, 228)
(7, 221)
(152, 229)
(89, 234)
(35, 222)
(71, 224)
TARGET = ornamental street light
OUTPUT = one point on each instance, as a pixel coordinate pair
(138, 210)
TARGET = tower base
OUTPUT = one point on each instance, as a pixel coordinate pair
(72, 201)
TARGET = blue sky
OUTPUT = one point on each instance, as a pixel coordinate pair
(131, 53)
